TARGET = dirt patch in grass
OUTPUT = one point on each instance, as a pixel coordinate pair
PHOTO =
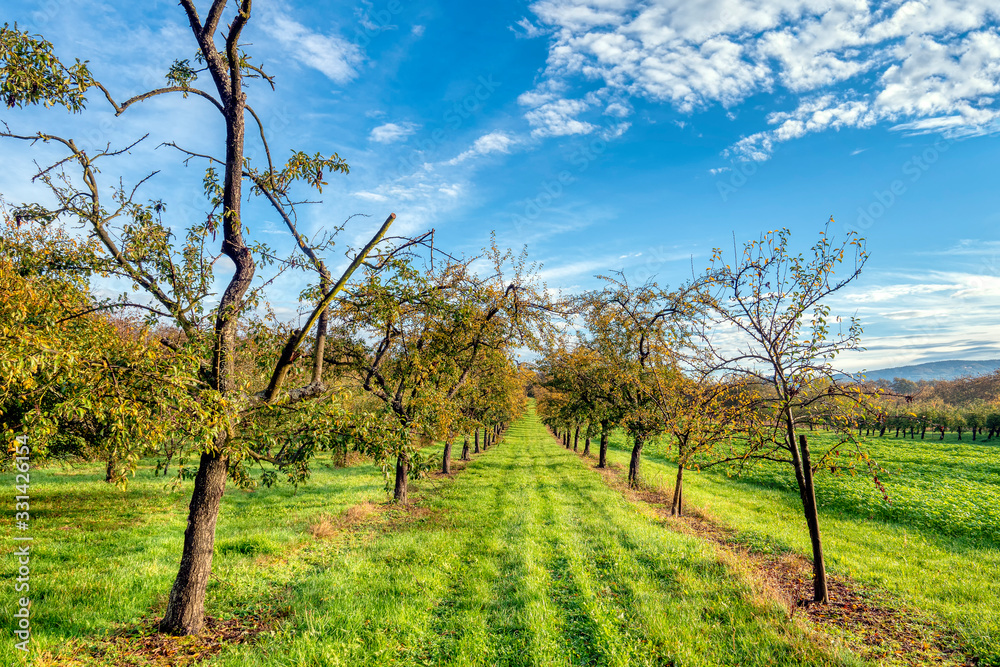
(871, 624)
(363, 514)
(142, 645)
(325, 525)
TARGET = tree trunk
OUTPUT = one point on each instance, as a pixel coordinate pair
(602, 456)
(109, 472)
(465, 449)
(959, 432)
(446, 457)
(321, 326)
(633, 465)
(586, 446)
(186, 606)
(803, 475)
(678, 504)
(402, 474)
(576, 439)
(477, 442)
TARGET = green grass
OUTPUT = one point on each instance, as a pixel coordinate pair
(525, 558)
(103, 557)
(935, 546)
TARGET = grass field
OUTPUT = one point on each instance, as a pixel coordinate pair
(525, 557)
(935, 546)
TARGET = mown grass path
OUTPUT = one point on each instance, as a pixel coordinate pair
(527, 558)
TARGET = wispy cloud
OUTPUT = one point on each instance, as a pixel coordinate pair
(525, 29)
(390, 133)
(332, 55)
(559, 118)
(494, 142)
(932, 316)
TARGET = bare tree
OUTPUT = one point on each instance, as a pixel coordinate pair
(768, 327)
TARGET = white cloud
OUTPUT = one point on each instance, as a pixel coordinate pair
(528, 30)
(618, 110)
(558, 118)
(418, 30)
(494, 142)
(370, 196)
(392, 132)
(918, 65)
(335, 57)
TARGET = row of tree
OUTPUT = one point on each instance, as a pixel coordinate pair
(399, 344)
(733, 367)
(960, 392)
(899, 418)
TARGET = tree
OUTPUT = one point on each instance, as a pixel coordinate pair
(701, 413)
(770, 304)
(414, 336)
(177, 276)
(636, 330)
(494, 394)
(72, 378)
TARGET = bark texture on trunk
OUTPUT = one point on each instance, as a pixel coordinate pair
(465, 449)
(576, 439)
(676, 509)
(446, 457)
(586, 446)
(477, 442)
(804, 478)
(602, 457)
(633, 464)
(109, 472)
(186, 606)
(402, 476)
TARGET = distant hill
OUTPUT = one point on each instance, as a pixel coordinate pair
(936, 370)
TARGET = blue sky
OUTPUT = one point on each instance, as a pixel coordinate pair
(608, 134)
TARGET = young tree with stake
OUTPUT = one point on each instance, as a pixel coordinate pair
(781, 341)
